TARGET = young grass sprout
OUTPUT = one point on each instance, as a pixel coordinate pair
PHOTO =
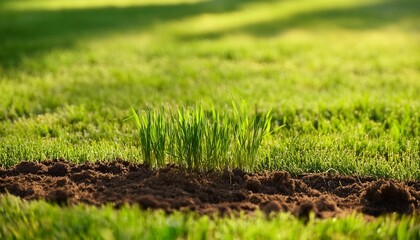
(153, 128)
(195, 138)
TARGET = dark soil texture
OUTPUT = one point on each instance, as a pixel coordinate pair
(220, 192)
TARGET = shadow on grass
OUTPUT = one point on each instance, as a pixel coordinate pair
(363, 17)
(34, 32)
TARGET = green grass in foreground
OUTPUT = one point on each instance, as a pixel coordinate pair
(39, 220)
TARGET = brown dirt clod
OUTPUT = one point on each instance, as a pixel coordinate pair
(29, 167)
(305, 208)
(253, 185)
(386, 197)
(58, 169)
(271, 207)
(172, 188)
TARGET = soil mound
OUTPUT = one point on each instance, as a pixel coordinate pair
(388, 196)
(172, 188)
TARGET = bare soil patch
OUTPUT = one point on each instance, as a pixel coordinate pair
(222, 192)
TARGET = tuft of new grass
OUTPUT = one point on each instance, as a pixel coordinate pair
(195, 138)
(152, 127)
(250, 133)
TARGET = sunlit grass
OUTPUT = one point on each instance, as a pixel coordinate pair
(342, 77)
(56, 5)
(195, 138)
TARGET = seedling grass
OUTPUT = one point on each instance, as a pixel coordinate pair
(341, 77)
(202, 140)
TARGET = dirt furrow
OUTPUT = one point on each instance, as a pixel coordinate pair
(223, 192)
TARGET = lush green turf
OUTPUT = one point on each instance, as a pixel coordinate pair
(39, 220)
(343, 77)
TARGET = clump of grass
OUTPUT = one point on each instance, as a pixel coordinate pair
(218, 137)
(153, 135)
(188, 130)
(250, 132)
(195, 138)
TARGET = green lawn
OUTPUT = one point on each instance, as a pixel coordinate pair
(343, 77)
(39, 220)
